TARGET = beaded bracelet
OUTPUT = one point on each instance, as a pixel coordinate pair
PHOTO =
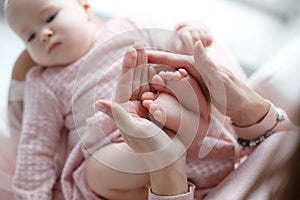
(252, 143)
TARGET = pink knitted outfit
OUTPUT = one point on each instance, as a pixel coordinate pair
(61, 129)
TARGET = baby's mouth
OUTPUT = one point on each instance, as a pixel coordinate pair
(53, 46)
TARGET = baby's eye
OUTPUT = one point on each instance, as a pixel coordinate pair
(31, 37)
(51, 18)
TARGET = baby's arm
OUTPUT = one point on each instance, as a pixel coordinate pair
(16, 93)
(36, 173)
(109, 170)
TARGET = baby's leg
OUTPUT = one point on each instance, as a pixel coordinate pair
(114, 172)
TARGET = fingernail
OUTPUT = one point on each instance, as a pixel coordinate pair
(201, 48)
(138, 45)
(100, 107)
(130, 49)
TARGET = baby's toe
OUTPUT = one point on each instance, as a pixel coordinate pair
(157, 112)
(158, 83)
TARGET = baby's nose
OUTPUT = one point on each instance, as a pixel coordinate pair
(46, 35)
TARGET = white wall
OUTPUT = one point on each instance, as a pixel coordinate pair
(284, 8)
(253, 34)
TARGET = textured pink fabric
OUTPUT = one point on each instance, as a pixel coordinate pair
(9, 144)
(59, 129)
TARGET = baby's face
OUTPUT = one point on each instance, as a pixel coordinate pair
(55, 32)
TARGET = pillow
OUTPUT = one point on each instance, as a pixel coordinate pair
(279, 81)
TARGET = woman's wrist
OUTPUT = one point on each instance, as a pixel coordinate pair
(258, 132)
(251, 114)
(170, 180)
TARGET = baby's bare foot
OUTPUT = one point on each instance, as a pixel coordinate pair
(178, 101)
(164, 108)
(184, 88)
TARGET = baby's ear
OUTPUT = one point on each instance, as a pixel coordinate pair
(85, 3)
(87, 8)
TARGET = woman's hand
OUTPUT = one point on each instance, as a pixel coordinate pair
(164, 154)
(229, 95)
(244, 106)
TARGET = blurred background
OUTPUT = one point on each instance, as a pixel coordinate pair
(254, 30)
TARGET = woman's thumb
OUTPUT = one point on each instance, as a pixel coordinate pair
(198, 49)
(116, 112)
(103, 106)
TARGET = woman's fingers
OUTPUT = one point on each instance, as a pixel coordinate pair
(202, 62)
(213, 77)
(120, 116)
(138, 69)
(206, 68)
(141, 72)
(187, 40)
(143, 136)
(125, 85)
(128, 120)
(134, 78)
(170, 59)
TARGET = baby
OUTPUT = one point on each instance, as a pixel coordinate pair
(77, 61)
